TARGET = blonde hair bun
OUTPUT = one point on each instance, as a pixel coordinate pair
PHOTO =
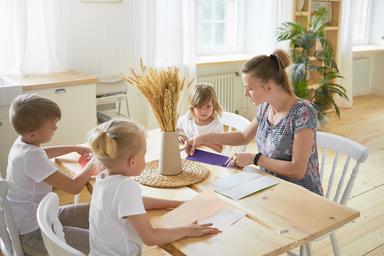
(116, 138)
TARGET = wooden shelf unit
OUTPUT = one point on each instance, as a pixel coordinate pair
(304, 16)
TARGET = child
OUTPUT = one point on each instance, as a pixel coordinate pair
(118, 220)
(31, 174)
(202, 117)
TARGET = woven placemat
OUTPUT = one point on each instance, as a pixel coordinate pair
(192, 173)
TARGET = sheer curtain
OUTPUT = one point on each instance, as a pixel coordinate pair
(168, 34)
(345, 51)
(261, 23)
(29, 37)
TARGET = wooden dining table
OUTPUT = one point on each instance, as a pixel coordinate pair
(279, 218)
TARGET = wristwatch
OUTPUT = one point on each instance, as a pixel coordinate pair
(256, 159)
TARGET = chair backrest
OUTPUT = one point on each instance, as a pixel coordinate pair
(10, 243)
(51, 228)
(234, 122)
(340, 146)
(110, 90)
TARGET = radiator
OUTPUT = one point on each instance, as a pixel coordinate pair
(361, 76)
(228, 89)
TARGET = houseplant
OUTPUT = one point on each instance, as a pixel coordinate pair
(311, 52)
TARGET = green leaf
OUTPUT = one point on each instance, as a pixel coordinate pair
(302, 39)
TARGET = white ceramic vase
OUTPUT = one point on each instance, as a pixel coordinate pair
(170, 161)
(299, 5)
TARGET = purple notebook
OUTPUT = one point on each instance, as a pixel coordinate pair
(209, 158)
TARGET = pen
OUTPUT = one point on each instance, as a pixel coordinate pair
(227, 162)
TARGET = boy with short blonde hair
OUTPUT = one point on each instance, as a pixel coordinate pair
(31, 174)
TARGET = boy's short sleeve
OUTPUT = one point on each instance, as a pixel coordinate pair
(304, 117)
(134, 205)
(38, 166)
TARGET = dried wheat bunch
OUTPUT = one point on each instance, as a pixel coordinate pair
(162, 89)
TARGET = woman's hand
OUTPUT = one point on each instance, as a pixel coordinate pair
(193, 143)
(197, 230)
(241, 160)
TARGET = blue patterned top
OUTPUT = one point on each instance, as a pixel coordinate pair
(276, 141)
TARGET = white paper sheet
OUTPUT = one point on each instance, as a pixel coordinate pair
(225, 218)
(243, 184)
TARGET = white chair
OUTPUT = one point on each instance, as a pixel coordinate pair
(51, 228)
(109, 91)
(234, 122)
(340, 190)
(10, 243)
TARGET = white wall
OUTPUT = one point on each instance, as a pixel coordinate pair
(370, 78)
(376, 32)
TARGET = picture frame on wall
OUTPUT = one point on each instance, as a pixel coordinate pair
(316, 5)
(102, 1)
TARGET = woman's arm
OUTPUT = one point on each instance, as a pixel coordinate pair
(231, 138)
(294, 169)
(155, 203)
(159, 236)
(71, 185)
(216, 147)
(55, 151)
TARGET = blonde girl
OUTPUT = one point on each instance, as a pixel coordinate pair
(118, 221)
(203, 115)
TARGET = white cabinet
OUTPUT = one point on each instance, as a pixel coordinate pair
(78, 112)
(7, 137)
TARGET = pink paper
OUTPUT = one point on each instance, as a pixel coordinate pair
(198, 208)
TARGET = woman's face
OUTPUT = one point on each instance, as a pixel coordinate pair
(255, 89)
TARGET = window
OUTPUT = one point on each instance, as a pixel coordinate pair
(217, 27)
(360, 21)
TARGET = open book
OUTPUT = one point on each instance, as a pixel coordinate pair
(243, 184)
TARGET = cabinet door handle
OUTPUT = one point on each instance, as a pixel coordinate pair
(60, 91)
(1, 123)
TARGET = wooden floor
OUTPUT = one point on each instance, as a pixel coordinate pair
(364, 236)
(364, 124)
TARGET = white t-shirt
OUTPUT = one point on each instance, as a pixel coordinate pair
(28, 167)
(188, 126)
(114, 197)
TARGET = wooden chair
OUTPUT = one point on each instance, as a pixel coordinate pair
(10, 243)
(234, 122)
(51, 228)
(338, 190)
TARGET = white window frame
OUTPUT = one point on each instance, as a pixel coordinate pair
(239, 48)
(367, 26)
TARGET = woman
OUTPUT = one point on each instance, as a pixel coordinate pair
(285, 126)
